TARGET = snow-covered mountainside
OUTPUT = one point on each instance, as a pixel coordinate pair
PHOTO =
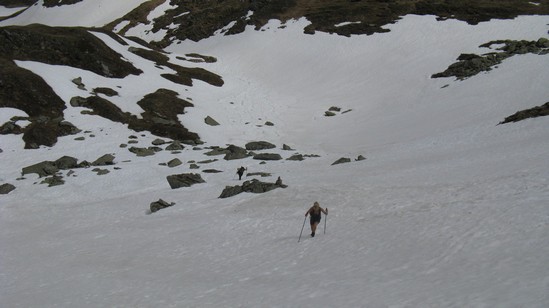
(439, 197)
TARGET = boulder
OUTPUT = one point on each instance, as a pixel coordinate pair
(105, 160)
(259, 145)
(175, 146)
(174, 162)
(235, 152)
(184, 180)
(66, 162)
(158, 141)
(160, 204)
(6, 188)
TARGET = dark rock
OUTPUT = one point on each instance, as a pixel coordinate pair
(253, 186)
(217, 151)
(141, 152)
(105, 160)
(471, 64)
(210, 121)
(100, 171)
(78, 83)
(329, 114)
(341, 161)
(160, 204)
(174, 162)
(175, 146)
(259, 145)
(230, 191)
(360, 157)
(267, 156)
(184, 180)
(235, 152)
(261, 174)
(106, 91)
(158, 142)
(211, 171)
(297, 157)
(43, 169)
(286, 148)
(6, 188)
(70, 46)
(66, 162)
(194, 166)
(538, 111)
(53, 181)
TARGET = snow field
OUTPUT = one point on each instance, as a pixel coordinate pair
(448, 209)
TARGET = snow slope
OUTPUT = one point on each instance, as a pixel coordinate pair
(448, 210)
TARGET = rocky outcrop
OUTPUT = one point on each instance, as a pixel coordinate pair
(471, 64)
(160, 117)
(538, 111)
(69, 46)
(190, 20)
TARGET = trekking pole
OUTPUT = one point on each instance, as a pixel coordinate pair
(302, 229)
(325, 220)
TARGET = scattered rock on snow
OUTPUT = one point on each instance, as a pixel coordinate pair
(253, 186)
(184, 180)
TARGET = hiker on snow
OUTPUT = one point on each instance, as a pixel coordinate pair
(240, 172)
(315, 212)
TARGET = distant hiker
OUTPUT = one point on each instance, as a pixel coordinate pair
(240, 172)
(278, 182)
(315, 212)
